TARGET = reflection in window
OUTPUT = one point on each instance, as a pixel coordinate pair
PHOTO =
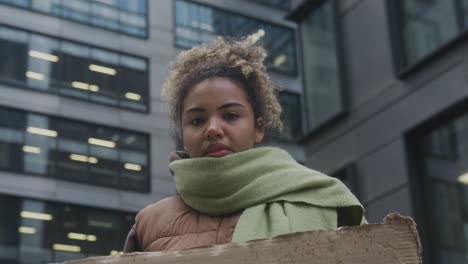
(196, 24)
(43, 232)
(72, 69)
(70, 150)
(423, 27)
(120, 15)
(324, 98)
(291, 115)
(444, 155)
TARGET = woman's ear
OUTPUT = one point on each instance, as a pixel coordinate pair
(259, 130)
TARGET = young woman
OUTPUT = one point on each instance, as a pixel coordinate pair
(221, 100)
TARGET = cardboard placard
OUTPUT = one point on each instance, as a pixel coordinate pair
(395, 241)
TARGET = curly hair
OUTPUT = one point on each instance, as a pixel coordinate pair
(239, 60)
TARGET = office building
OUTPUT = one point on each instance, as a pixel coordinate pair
(84, 133)
(385, 93)
(375, 94)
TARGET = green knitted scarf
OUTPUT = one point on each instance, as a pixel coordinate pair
(277, 194)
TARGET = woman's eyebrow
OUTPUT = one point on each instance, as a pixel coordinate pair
(229, 105)
(195, 109)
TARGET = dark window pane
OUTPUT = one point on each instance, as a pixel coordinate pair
(72, 150)
(444, 156)
(321, 72)
(134, 83)
(9, 225)
(134, 170)
(423, 26)
(72, 69)
(196, 24)
(120, 15)
(12, 126)
(104, 76)
(13, 51)
(71, 74)
(37, 232)
(291, 115)
(103, 150)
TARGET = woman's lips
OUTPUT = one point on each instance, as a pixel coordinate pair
(218, 153)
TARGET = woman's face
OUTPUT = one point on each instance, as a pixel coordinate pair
(217, 119)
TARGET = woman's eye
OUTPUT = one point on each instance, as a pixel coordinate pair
(196, 121)
(230, 116)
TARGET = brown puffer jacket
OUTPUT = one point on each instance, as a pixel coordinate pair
(172, 225)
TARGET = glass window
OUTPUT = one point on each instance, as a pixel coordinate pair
(422, 27)
(124, 16)
(13, 51)
(425, 26)
(196, 24)
(9, 225)
(104, 76)
(48, 6)
(71, 74)
(134, 161)
(291, 115)
(443, 154)
(12, 127)
(70, 150)
(73, 69)
(105, 14)
(39, 144)
(37, 232)
(71, 154)
(42, 55)
(78, 10)
(283, 4)
(22, 3)
(133, 83)
(104, 168)
(322, 86)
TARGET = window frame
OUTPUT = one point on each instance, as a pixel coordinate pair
(30, 9)
(48, 203)
(272, 134)
(298, 15)
(56, 91)
(54, 119)
(293, 73)
(419, 185)
(394, 23)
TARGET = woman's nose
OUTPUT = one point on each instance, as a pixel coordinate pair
(214, 130)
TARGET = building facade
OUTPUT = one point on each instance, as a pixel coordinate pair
(386, 100)
(84, 133)
(375, 94)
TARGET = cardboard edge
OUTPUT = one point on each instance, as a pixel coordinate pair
(390, 219)
(396, 218)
